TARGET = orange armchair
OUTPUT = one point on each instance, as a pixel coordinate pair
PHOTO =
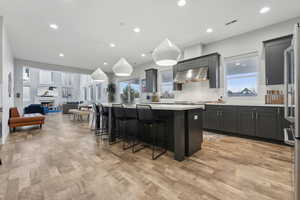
(15, 120)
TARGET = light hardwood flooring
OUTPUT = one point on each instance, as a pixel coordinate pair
(65, 160)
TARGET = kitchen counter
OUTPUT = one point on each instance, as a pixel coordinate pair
(183, 126)
(157, 106)
(245, 104)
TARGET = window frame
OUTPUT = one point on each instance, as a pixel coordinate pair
(98, 91)
(161, 81)
(129, 81)
(236, 59)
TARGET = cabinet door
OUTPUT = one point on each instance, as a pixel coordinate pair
(246, 121)
(151, 80)
(267, 123)
(274, 51)
(211, 118)
(214, 71)
(228, 119)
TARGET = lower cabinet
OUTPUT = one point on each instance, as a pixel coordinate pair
(211, 118)
(246, 121)
(220, 118)
(228, 118)
(263, 122)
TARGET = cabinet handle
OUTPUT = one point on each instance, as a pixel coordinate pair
(252, 115)
(218, 113)
(256, 115)
(278, 111)
(267, 81)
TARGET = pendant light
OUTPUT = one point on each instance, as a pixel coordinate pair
(166, 54)
(99, 75)
(122, 68)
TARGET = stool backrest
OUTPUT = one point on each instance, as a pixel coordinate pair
(103, 110)
(118, 110)
(144, 112)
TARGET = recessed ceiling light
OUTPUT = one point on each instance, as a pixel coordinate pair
(264, 10)
(61, 55)
(237, 64)
(143, 55)
(181, 3)
(209, 30)
(105, 63)
(112, 45)
(137, 29)
(53, 26)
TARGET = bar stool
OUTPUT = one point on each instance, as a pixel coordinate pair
(122, 120)
(101, 118)
(104, 119)
(146, 117)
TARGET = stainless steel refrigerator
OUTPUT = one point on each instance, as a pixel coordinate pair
(292, 110)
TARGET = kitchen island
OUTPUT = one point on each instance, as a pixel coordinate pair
(184, 126)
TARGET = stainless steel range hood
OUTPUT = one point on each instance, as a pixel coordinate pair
(192, 75)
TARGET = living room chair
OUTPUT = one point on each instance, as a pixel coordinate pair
(16, 120)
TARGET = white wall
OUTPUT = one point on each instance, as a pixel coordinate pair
(245, 43)
(7, 67)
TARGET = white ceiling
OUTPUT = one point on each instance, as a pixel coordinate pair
(87, 27)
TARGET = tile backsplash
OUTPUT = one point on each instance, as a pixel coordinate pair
(198, 91)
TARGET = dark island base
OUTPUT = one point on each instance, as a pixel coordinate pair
(184, 130)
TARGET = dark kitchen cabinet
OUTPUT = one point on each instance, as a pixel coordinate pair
(228, 118)
(151, 80)
(211, 61)
(211, 118)
(256, 121)
(214, 71)
(274, 57)
(246, 121)
(220, 118)
(268, 123)
(176, 86)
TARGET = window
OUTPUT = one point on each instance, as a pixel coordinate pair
(85, 93)
(26, 94)
(91, 91)
(130, 89)
(241, 75)
(166, 86)
(135, 86)
(98, 87)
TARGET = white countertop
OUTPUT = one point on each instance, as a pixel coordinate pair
(163, 106)
(245, 104)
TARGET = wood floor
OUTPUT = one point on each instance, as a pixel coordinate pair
(65, 160)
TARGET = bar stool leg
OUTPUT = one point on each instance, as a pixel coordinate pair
(154, 157)
(137, 140)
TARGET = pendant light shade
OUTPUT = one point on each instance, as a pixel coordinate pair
(166, 54)
(99, 75)
(122, 68)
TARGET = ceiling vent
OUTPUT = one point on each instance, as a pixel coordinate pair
(231, 22)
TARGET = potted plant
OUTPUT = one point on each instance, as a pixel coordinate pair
(111, 90)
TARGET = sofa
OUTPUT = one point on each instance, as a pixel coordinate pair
(16, 120)
(34, 108)
(68, 106)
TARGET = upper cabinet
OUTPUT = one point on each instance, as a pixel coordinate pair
(151, 80)
(274, 55)
(211, 61)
